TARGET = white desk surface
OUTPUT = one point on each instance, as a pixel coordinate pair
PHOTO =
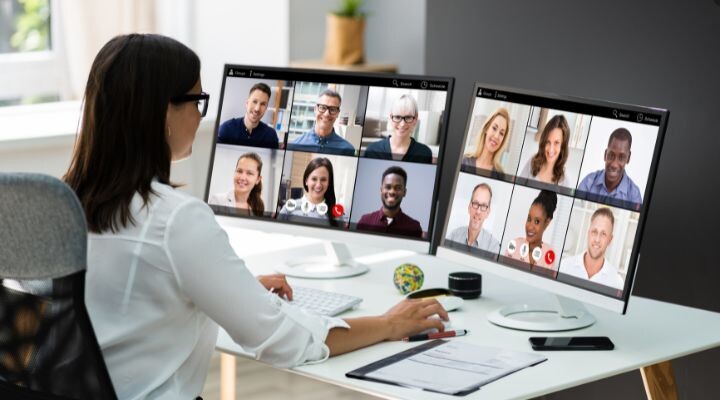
(649, 333)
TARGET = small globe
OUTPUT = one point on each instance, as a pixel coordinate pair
(408, 278)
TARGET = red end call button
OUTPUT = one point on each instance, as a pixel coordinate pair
(549, 257)
(338, 210)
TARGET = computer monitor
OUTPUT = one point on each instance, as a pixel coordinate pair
(553, 191)
(334, 155)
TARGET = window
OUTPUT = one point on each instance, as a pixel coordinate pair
(29, 57)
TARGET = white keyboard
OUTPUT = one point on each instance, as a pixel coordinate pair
(323, 302)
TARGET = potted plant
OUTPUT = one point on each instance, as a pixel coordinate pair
(344, 36)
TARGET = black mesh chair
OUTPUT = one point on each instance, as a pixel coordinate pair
(48, 349)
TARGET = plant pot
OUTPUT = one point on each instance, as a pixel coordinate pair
(344, 40)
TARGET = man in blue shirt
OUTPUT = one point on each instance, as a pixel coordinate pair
(322, 137)
(250, 130)
(612, 182)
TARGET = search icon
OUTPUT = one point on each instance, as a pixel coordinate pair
(395, 83)
(615, 113)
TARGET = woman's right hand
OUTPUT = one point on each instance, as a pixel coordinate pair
(410, 317)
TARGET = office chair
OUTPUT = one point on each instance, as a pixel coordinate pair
(48, 349)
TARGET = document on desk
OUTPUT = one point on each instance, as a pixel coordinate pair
(449, 367)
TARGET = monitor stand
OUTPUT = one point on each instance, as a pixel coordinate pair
(567, 316)
(337, 263)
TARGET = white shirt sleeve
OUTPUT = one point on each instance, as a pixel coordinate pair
(214, 279)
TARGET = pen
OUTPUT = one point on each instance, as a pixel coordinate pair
(436, 335)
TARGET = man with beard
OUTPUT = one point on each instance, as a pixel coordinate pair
(250, 130)
(390, 218)
(473, 234)
(591, 264)
(612, 183)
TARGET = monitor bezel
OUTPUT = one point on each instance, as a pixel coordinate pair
(553, 285)
(326, 233)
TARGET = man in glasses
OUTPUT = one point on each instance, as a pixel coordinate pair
(322, 137)
(390, 218)
(612, 182)
(473, 234)
(249, 130)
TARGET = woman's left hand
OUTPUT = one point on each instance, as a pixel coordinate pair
(276, 283)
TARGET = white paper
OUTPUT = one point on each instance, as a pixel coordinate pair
(455, 366)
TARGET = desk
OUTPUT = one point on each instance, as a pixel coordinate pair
(650, 332)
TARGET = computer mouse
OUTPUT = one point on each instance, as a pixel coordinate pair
(450, 303)
(447, 324)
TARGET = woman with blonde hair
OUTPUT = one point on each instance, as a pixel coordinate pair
(491, 143)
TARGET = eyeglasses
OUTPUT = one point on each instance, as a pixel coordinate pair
(611, 156)
(407, 118)
(475, 205)
(201, 100)
(331, 109)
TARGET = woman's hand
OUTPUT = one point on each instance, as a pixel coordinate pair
(277, 284)
(410, 317)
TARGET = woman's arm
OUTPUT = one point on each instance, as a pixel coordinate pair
(406, 318)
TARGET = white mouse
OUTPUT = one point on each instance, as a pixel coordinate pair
(447, 324)
(450, 303)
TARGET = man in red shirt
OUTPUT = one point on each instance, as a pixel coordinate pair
(390, 218)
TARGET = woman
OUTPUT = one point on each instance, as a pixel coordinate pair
(400, 145)
(491, 143)
(539, 217)
(319, 197)
(161, 273)
(548, 164)
(247, 187)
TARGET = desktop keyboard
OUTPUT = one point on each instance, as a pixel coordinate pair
(323, 302)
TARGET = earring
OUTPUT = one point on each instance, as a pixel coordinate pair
(169, 132)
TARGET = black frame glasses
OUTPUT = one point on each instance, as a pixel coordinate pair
(483, 207)
(330, 109)
(202, 100)
(407, 118)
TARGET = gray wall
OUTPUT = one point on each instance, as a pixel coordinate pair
(394, 31)
(662, 54)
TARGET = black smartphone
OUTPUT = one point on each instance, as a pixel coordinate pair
(572, 343)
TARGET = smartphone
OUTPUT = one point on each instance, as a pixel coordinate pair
(572, 343)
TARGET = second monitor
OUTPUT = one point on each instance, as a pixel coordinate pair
(339, 156)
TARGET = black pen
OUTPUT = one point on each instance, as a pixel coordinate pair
(436, 335)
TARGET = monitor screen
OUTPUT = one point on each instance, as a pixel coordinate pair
(555, 188)
(350, 152)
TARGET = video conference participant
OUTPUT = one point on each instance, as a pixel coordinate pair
(474, 234)
(592, 264)
(247, 186)
(250, 130)
(613, 182)
(390, 218)
(400, 145)
(491, 142)
(539, 217)
(322, 137)
(319, 198)
(161, 278)
(548, 164)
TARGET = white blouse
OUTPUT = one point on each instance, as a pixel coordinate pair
(156, 289)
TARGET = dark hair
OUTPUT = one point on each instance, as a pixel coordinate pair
(397, 171)
(484, 186)
(257, 205)
(604, 212)
(330, 93)
(548, 201)
(556, 122)
(261, 87)
(622, 135)
(330, 192)
(122, 145)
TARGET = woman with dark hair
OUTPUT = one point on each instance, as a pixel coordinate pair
(531, 248)
(247, 186)
(548, 164)
(161, 273)
(319, 198)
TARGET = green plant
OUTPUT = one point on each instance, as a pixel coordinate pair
(33, 26)
(350, 9)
